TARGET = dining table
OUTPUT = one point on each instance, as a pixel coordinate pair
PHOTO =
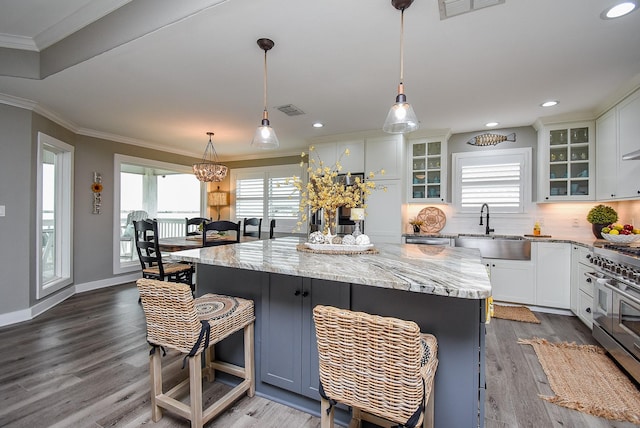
(179, 243)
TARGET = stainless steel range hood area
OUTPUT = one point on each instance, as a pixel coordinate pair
(635, 155)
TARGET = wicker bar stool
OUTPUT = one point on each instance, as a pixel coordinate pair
(192, 326)
(382, 367)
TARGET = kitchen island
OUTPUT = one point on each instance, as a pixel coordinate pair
(442, 289)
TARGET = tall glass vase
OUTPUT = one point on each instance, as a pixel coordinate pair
(329, 226)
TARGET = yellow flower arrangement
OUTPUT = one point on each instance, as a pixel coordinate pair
(323, 191)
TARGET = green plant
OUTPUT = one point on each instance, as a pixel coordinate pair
(602, 214)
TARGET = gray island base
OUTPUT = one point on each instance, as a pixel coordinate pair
(442, 289)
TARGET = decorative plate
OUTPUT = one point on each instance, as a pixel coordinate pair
(433, 219)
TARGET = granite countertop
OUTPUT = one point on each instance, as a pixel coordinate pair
(438, 270)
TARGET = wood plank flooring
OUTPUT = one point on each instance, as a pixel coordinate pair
(84, 363)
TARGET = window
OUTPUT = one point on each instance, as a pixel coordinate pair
(263, 192)
(500, 178)
(55, 215)
(150, 189)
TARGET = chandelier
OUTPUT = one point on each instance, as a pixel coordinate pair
(210, 169)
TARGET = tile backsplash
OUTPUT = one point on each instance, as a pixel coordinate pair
(562, 220)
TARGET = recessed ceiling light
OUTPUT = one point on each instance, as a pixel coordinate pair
(549, 104)
(491, 124)
(619, 10)
(318, 125)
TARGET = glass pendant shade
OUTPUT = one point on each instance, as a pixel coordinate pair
(265, 137)
(401, 118)
(209, 169)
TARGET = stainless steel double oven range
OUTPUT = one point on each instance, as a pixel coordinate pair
(616, 308)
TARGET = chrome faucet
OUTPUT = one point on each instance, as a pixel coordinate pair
(487, 229)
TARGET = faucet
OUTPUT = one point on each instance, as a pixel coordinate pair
(487, 229)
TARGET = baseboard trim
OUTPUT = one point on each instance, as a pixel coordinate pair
(47, 303)
(108, 282)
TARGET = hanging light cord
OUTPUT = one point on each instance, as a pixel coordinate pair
(265, 82)
(401, 46)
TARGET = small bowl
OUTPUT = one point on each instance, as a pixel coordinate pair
(420, 176)
(621, 239)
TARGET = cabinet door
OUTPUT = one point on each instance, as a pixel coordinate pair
(317, 292)
(282, 332)
(325, 152)
(512, 280)
(384, 153)
(427, 170)
(568, 158)
(383, 222)
(629, 141)
(606, 156)
(585, 302)
(354, 162)
(553, 274)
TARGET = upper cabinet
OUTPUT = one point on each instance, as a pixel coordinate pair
(384, 153)
(330, 153)
(618, 133)
(427, 170)
(567, 162)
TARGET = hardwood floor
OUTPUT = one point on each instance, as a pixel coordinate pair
(84, 363)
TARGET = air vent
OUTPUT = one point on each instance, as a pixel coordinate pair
(290, 110)
(450, 8)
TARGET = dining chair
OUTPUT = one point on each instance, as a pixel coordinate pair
(151, 260)
(192, 225)
(220, 226)
(272, 226)
(257, 222)
(192, 327)
(382, 367)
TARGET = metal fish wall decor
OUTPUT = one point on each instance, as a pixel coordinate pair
(491, 139)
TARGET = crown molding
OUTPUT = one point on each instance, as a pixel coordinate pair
(12, 41)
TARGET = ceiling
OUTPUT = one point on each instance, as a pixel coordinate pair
(178, 71)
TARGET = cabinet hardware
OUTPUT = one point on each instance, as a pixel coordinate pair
(305, 294)
(297, 293)
(588, 310)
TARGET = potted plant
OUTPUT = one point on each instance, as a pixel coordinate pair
(416, 223)
(601, 216)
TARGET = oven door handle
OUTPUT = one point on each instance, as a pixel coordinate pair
(592, 276)
(622, 293)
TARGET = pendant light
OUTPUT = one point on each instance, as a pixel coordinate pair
(210, 169)
(401, 118)
(265, 136)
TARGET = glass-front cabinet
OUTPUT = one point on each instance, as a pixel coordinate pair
(568, 154)
(427, 168)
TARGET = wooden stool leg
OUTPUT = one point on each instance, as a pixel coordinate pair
(428, 421)
(195, 390)
(209, 358)
(155, 369)
(326, 421)
(249, 363)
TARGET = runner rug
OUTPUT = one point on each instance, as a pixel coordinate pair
(584, 378)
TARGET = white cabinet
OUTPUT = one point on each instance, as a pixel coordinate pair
(606, 156)
(384, 153)
(567, 162)
(617, 134)
(330, 153)
(427, 170)
(553, 274)
(628, 141)
(383, 222)
(511, 280)
(581, 285)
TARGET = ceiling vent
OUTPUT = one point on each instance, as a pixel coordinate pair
(450, 8)
(290, 110)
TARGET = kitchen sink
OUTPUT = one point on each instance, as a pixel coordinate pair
(497, 247)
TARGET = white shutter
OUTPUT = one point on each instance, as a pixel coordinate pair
(249, 197)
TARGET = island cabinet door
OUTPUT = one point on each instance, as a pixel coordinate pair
(289, 357)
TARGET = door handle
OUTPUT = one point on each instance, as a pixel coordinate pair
(297, 293)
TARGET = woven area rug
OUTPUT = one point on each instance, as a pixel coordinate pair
(515, 313)
(584, 378)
